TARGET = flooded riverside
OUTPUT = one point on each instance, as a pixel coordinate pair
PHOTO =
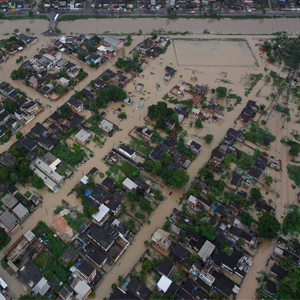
(154, 89)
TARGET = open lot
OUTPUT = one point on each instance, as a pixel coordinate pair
(214, 52)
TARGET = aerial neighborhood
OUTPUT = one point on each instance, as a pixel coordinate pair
(152, 164)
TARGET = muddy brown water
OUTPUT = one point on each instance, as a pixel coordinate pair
(155, 88)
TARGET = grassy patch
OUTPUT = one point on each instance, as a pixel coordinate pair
(52, 267)
(95, 119)
(294, 173)
(252, 80)
(97, 131)
(45, 233)
(74, 223)
(27, 194)
(39, 17)
(256, 134)
(140, 147)
(129, 169)
(71, 156)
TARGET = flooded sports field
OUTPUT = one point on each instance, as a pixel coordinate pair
(214, 52)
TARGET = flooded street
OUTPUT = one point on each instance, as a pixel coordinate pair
(250, 284)
(154, 89)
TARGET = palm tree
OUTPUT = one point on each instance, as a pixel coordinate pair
(16, 31)
(27, 29)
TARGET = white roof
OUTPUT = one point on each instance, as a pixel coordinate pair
(81, 288)
(206, 250)
(9, 200)
(48, 171)
(42, 287)
(102, 48)
(20, 211)
(192, 199)
(64, 80)
(106, 125)
(29, 235)
(102, 211)
(2, 297)
(128, 183)
(196, 111)
(47, 180)
(84, 179)
(3, 283)
(83, 135)
(164, 283)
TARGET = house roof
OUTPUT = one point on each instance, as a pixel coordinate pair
(96, 255)
(93, 171)
(30, 274)
(164, 283)
(236, 231)
(165, 267)
(100, 236)
(279, 271)
(83, 135)
(28, 143)
(219, 155)
(103, 210)
(127, 149)
(12, 189)
(54, 284)
(65, 292)
(20, 211)
(128, 183)
(255, 173)
(270, 287)
(135, 288)
(38, 129)
(85, 268)
(7, 219)
(42, 287)
(9, 200)
(191, 288)
(223, 283)
(205, 201)
(206, 250)
(118, 294)
(181, 251)
(220, 209)
(74, 103)
(108, 183)
(70, 254)
(235, 180)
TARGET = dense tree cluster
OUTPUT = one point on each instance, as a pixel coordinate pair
(177, 178)
(110, 93)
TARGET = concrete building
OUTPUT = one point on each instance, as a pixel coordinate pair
(21, 212)
(82, 136)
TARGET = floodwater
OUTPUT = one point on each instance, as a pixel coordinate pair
(225, 26)
(249, 286)
(210, 52)
(155, 88)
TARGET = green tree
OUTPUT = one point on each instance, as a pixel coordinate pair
(93, 210)
(246, 218)
(169, 10)
(16, 31)
(198, 123)
(291, 222)
(81, 56)
(114, 286)
(4, 238)
(148, 266)
(268, 180)
(4, 173)
(176, 276)
(120, 279)
(65, 111)
(165, 158)
(92, 64)
(132, 206)
(225, 246)
(145, 204)
(241, 242)
(156, 295)
(122, 116)
(222, 91)
(295, 149)
(11, 106)
(179, 178)
(19, 135)
(30, 14)
(255, 193)
(157, 169)
(208, 138)
(206, 230)
(27, 29)
(37, 182)
(268, 226)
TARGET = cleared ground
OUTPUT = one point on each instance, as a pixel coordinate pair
(214, 52)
